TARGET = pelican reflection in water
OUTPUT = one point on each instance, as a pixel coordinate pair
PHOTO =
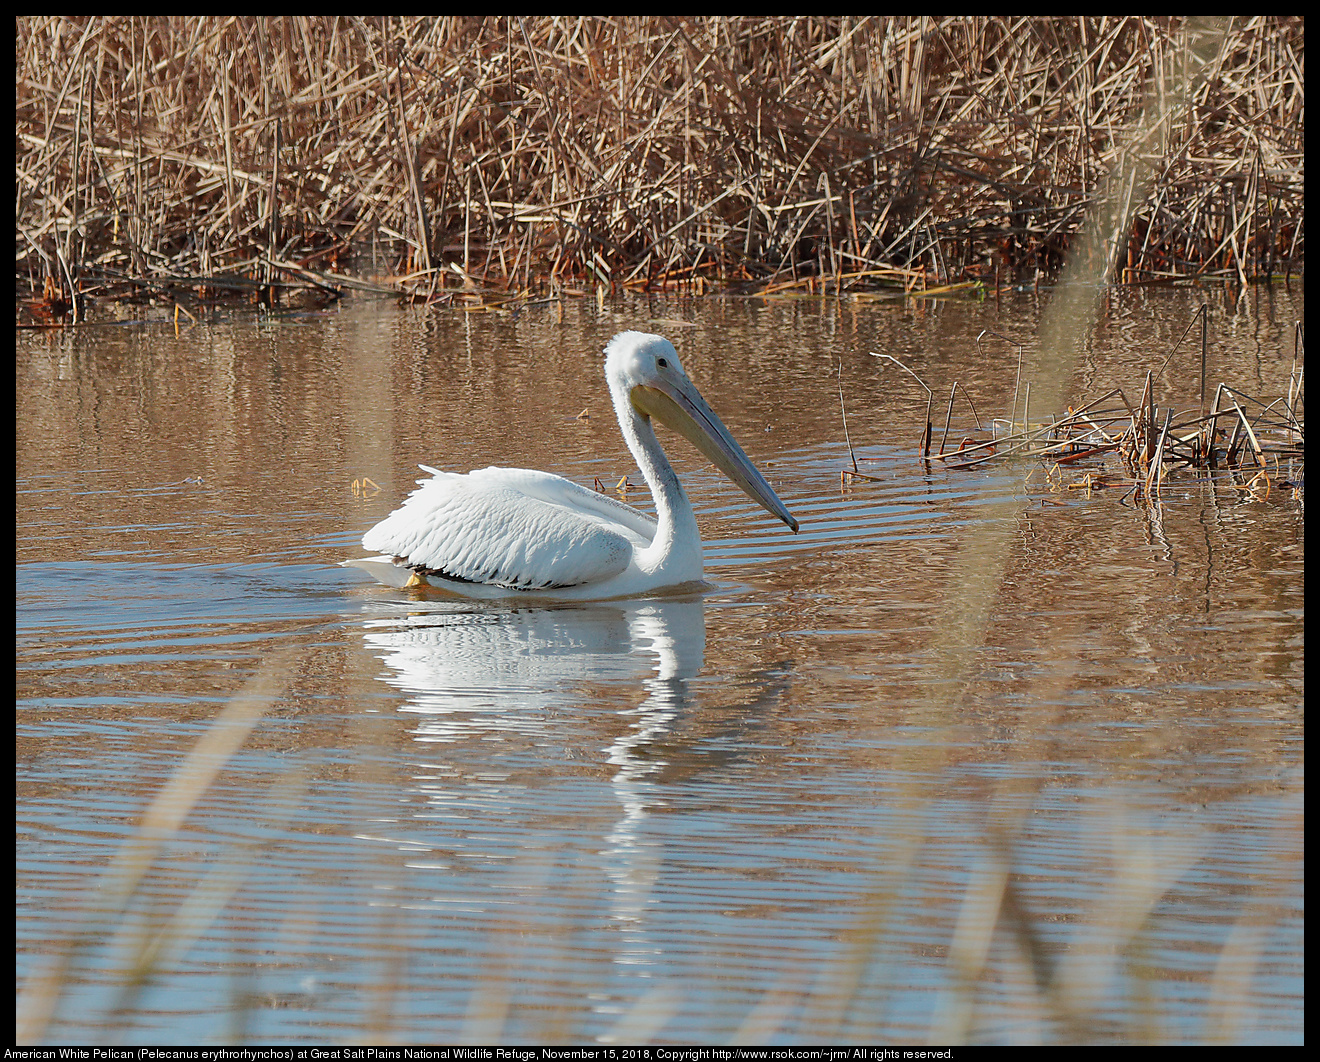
(499, 532)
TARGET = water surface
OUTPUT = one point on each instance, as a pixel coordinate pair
(783, 811)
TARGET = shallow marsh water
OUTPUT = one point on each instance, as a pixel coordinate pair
(769, 813)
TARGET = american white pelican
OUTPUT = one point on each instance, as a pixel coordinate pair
(500, 532)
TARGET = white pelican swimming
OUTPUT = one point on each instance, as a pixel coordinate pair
(499, 532)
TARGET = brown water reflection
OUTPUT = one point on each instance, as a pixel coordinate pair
(749, 816)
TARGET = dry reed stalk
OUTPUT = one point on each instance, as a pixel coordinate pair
(161, 937)
(690, 153)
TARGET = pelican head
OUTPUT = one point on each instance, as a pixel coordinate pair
(647, 380)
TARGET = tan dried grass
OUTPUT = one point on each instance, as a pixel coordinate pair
(827, 154)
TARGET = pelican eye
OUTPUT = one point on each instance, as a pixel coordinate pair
(662, 362)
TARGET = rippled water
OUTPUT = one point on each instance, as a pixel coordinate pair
(790, 810)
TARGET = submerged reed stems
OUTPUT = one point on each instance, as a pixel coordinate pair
(1146, 440)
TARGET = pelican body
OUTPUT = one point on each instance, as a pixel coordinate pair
(501, 532)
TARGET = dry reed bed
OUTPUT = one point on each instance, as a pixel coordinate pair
(493, 155)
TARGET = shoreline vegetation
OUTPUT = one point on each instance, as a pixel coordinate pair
(487, 162)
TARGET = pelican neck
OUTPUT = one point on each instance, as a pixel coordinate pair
(673, 510)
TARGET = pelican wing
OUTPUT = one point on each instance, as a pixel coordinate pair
(511, 527)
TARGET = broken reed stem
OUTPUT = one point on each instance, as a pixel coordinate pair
(843, 412)
(948, 417)
(930, 398)
(1157, 462)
